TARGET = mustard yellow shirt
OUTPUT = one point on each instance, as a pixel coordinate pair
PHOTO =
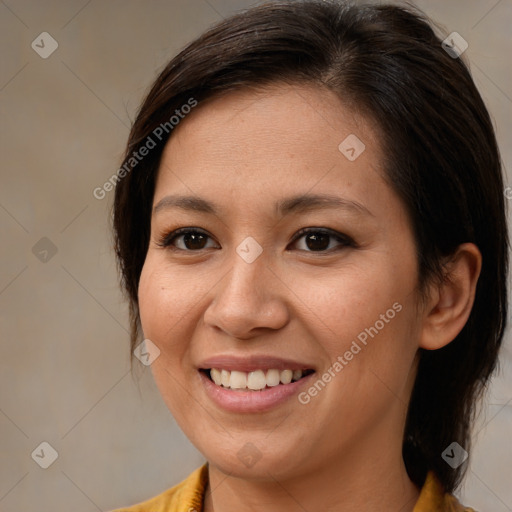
(188, 497)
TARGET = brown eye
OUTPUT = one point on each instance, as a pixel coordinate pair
(194, 240)
(317, 241)
(321, 240)
(186, 239)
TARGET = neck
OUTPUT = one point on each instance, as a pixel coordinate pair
(355, 485)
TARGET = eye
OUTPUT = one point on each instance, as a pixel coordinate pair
(315, 240)
(321, 240)
(186, 239)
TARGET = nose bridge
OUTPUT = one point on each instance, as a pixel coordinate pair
(247, 297)
(248, 278)
(249, 264)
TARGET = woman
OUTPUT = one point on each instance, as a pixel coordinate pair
(311, 233)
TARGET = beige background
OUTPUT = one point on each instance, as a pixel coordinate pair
(64, 360)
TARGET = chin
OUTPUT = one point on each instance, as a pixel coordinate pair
(252, 463)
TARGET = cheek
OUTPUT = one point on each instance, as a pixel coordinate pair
(340, 305)
(163, 303)
(153, 296)
(167, 302)
(366, 317)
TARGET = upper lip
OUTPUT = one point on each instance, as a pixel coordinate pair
(252, 363)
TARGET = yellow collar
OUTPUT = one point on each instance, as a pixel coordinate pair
(188, 496)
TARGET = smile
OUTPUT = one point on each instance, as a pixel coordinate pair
(257, 380)
(253, 383)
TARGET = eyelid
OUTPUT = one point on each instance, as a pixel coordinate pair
(344, 240)
(326, 231)
(166, 240)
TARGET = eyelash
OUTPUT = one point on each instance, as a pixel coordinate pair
(166, 240)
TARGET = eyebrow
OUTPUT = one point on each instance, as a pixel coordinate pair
(296, 204)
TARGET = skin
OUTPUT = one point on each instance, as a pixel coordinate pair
(243, 152)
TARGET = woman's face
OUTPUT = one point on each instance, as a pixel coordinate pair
(303, 260)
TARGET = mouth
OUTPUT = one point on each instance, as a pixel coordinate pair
(253, 384)
(256, 380)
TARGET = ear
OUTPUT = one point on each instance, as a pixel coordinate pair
(450, 302)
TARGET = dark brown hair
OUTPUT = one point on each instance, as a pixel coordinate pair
(441, 158)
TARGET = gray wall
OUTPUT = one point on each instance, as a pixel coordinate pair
(64, 364)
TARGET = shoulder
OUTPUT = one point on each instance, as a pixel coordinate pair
(434, 498)
(187, 496)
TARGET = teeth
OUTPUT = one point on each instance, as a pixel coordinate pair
(286, 376)
(273, 378)
(216, 376)
(238, 380)
(256, 380)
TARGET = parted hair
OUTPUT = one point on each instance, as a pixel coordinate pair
(441, 158)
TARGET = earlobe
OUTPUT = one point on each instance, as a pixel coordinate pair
(451, 301)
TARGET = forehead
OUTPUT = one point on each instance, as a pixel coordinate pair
(265, 140)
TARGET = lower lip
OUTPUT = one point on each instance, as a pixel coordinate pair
(252, 401)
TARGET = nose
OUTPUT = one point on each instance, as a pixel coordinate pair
(248, 300)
